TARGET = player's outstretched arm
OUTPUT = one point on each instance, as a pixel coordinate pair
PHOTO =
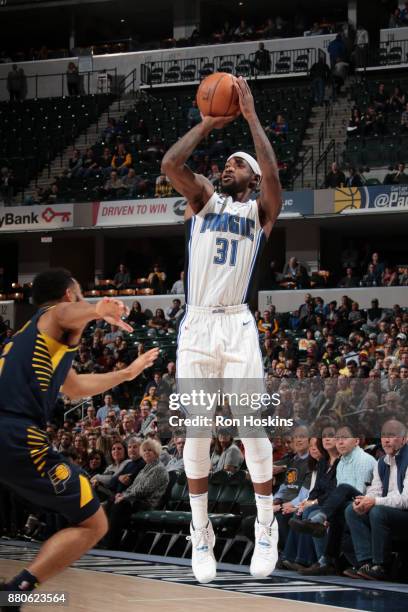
(77, 386)
(196, 188)
(75, 315)
(270, 199)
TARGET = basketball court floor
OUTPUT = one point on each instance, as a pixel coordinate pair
(123, 582)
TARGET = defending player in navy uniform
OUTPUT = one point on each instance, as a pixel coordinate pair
(218, 337)
(34, 367)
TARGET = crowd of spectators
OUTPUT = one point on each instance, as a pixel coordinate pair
(374, 119)
(331, 364)
(300, 24)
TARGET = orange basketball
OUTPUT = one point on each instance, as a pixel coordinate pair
(217, 97)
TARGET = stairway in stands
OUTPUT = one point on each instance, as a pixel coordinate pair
(336, 130)
(117, 110)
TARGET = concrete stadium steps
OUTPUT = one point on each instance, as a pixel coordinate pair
(117, 110)
(336, 130)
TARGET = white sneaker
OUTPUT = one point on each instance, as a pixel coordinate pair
(202, 556)
(265, 554)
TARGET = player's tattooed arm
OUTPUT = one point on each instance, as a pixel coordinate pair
(270, 200)
(196, 188)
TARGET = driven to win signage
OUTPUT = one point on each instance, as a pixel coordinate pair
(167, 211)
(45, 217)
(158, 211)
(378, 198)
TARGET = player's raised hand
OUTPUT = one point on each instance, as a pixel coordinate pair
(217, 123)
(146, 360)
(112, 311)
(246, 99)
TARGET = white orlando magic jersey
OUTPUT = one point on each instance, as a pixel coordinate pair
(223, 243)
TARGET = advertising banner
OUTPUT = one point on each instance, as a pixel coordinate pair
(167, 211)
(378, 198)
(44, 217)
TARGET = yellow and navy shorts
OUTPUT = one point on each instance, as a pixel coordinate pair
(41, 475)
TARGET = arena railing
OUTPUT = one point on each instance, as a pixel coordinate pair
(175, 71)
(303, 163)
(91, 82)
(386, 53)
(327, 157)
(291, 61)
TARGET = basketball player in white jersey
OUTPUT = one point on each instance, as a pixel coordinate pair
(218, 336)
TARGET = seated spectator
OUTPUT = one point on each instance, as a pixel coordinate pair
(371, 278)
(268, 323)
(119, 460)
(397, 99)
(168, 382)
(355, 316)
(157, 279)
(262, 59)
(354, 470)
(174, 313)
(403, 277)
(193, 115)
(96, 463)
(226, 455)
(90, 165)
(110, 133)
(400, 177)
(178, 286)
(214, 175)
(380, 515)
(51, 195)
(147, 420)
(163, 187)
(279, 127)
(404, 15)
(243, 31)
(297, 475)
(114, 187)
(133, 184)
(136, 315)
(124, 477)
(300, 550)
(380, 99)
(74, 163)
(121, 279)
(325, 483)
(176, 462)
(389, 277)
(110, 337)
(158, 322)
(354, 178)
(335, 178)
(108, 406)
(296, 273)
(140, 132)
(105, 162)
(145, 493)
(355, 122)
(350, 280)
(373, 121)
(395, 19)
(121, 160)
(37, 197)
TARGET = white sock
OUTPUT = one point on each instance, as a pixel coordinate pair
(199, 509)
(264, 506)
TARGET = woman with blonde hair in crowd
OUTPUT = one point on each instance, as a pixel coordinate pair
(145, 493)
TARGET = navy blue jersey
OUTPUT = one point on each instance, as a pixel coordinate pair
(33, 367)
